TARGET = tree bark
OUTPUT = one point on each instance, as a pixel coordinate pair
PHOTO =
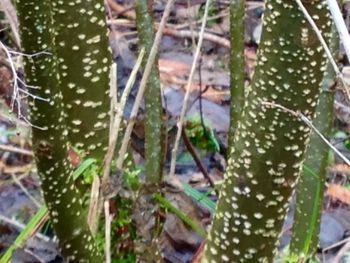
(310, 188)
(50, 136)
(154, 128)
(269, 143)
(237, 65)
(84, 65)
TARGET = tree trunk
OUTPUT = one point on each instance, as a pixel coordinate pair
(154, 129)
(269, 143)
(84, 63)
(49, 134)
(237, 65)
(310, 189)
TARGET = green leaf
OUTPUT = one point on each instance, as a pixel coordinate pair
(201, 137)
(347, 144)
(25, 234)
(200, 197)
(36, 219)
(339, 135)
(80, 170)
(184, 217)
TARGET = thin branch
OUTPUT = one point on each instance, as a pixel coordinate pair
(39, 259)
(342, 252)
(29, 55)
(14, 74)
(142, 87)
(92, 218)
(183, 33)
(24, 118)
(10, 148)
(305, 119)
(108, 220)
(113, 94)
(119, 114)
(10, 12)
(16, 98)
(196, 159)
(21, 226)
(206, 36)
(25, 191)
(116, 119)
(340, 25)
(121, 10)
(188, 90)
(33, 96)
(337, 244)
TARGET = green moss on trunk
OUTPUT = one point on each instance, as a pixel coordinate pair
(154, 133)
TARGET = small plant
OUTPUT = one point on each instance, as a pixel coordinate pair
(201, 135)
(213, 11)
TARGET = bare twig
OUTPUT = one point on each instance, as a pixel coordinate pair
(113, 91)
(29, 55)
(15, 78)
(185, 25)
(206, 36)
(142, 87)
(119, 114)
(37, 257)
(341, 253)
(121, 10)
(10, 12)
(183, 33)
(93, 213)
(337, 244)
(25, 191)
(95, 207)
(10, 148)
(16, 94)
(116, 119)
(340, 25)
(21, 226)
(196, 158)
(108, 220)
(303, 118)
(188, 91)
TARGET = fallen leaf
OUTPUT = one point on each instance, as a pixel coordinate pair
(339, 192)
(340, 168)
(197, 258)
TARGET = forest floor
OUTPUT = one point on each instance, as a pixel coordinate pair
(20, 194)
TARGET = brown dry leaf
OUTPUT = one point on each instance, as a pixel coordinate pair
(339, 192)
(174, 67)
(176, 72)
(122, 10)
(340, 168)
(73, 157)
(197, 258)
